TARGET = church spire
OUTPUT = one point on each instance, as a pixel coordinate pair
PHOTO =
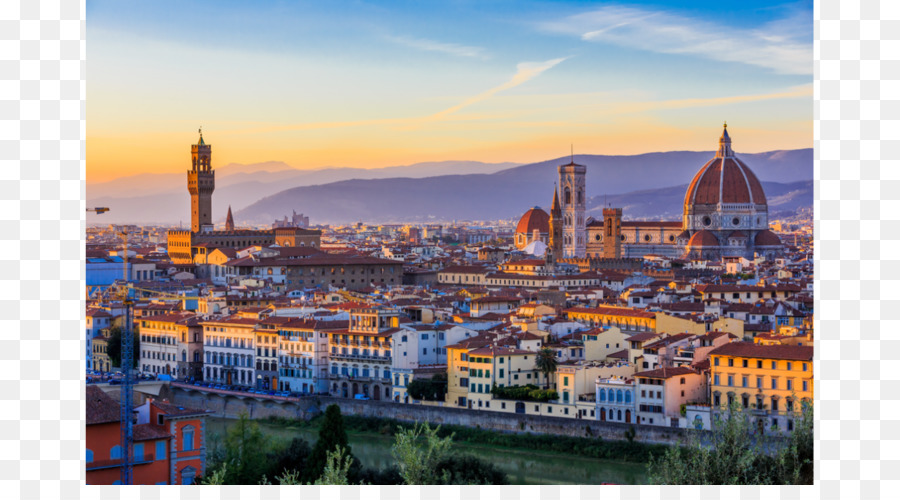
(229, 220)
(555, 210)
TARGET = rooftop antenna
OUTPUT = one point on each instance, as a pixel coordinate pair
(572, 146)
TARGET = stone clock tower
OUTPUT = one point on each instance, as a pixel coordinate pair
(201, 184)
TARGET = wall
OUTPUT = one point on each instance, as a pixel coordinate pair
(232, 407)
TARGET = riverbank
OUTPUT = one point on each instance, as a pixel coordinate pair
(525, 458)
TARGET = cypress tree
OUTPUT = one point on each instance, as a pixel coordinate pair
(331, 436)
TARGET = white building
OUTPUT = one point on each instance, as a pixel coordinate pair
(229, 350)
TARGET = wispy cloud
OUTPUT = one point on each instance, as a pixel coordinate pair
(524, 71)
(784, 45)
(434, 46)
(635, 107)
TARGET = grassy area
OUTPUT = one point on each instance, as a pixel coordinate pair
(623, 451)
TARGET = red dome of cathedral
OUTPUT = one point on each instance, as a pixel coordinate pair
(702, 239)
(724, 179)
(534, 218)
(767, 238)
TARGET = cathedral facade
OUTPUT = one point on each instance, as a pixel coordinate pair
(725, 214)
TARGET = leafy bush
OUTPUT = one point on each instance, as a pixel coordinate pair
(528, 392)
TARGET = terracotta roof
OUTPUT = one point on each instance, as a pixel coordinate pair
(667, 372)
(178, 411)
(651, 224)
(620, 354)
(145, 432)
(101, 407)
(751, 350)
(612, 311)
(641, 337)
(498, 351)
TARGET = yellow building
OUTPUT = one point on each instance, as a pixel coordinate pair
(627, 319)
(100, 357)
(502, 366)
(770, 381)
(458, 370)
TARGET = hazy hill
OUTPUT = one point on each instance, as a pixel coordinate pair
(472, 197)
(273, 176)
(648, 179)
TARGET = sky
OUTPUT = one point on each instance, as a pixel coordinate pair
(377, 84)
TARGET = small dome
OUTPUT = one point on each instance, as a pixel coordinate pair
(534, 218)
(767, 238)
(702, 239)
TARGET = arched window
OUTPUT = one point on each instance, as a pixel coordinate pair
(568, 196)
(602, 395)
(115, 452)
(620, 415)
(619, 396)
(183, 355)
(187, 438)
(188, 474)
(627, 396)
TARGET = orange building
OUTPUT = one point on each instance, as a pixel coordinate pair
(168, 445)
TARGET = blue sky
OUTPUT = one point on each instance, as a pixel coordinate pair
(377, 84)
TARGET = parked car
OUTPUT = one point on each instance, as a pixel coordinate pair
(115, 381)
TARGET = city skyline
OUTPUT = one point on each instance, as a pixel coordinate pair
(401, 84)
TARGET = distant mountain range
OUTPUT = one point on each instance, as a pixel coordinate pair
(163, 198)
(646, 186)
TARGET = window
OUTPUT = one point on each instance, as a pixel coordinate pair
(138, 451)
(759, 383)
(744, 363)
(115, 452)
(790, 384)
(805, 386)
(804, 366)
(744, 382)
(187, 438)
(774, 365)
(789, 364)
(160, 450)
(731, 381)
(90, 456)
(759, 364)
(730, 362)
(715, 361)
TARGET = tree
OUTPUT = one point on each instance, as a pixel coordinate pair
(418, 461)
(243, 460)
(467, 469)
(292, 458)
(545, 361)
(114, 346)
(732, 454)
(337, 467)
(432, 389)
(331, 435)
